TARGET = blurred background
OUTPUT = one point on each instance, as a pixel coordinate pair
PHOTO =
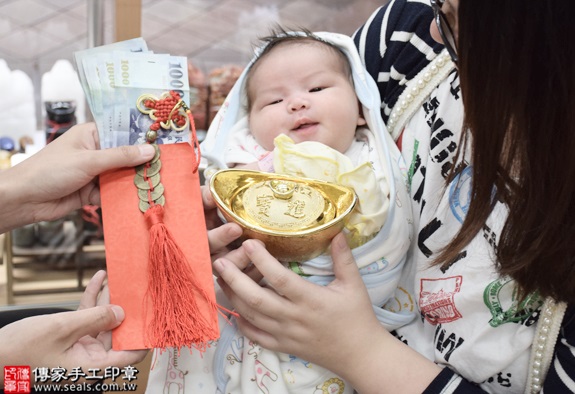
(41, 97)
(36, 34)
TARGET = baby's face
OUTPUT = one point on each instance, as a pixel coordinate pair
(302, 91)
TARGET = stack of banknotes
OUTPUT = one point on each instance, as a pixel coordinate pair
(114, 77)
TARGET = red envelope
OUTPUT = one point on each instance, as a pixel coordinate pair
(127, 242)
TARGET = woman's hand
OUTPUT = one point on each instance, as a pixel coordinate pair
(333, 326)
(61, 177)
(72, 339)
(297, 316)
(220, 236)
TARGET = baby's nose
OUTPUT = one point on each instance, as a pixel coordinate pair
(298, 103)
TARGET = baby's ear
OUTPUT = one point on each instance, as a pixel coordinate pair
(361, 119)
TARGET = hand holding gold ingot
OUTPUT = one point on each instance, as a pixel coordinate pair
(296, 218)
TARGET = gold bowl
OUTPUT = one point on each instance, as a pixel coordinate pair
(295, 217)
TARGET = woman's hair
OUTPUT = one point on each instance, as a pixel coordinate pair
(517, 71)
(281, 37)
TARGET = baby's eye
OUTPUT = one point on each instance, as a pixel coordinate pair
(275, 102)
(318, 89)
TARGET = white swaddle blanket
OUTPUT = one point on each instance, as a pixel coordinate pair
(358, 168)
(236, 365)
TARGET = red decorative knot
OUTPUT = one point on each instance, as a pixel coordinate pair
(165, 110)
(169, 112)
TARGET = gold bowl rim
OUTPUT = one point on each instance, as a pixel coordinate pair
(292, 233)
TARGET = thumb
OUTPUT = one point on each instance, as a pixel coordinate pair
(91, 321)
(344, 265)
(122, 156)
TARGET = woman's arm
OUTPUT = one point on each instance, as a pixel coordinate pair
(61, 177)
(333, 326)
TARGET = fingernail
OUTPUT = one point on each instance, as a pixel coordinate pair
(219, 266)
(147, 150)
(118, 312)
(248, 245)
(340, 241)
(235, 231)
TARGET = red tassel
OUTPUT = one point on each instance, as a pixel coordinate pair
(177, 319)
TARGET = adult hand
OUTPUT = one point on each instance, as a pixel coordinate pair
(72, 339)
(210, 208)
(219, 235)
(61, 177)
(296, 316)
(333, 326)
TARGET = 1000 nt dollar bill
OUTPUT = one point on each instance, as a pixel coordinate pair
(115, 76)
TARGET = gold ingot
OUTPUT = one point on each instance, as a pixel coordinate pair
(295, 217)
(282, 189)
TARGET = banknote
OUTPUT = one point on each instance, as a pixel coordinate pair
(153, 75)
(114, 78)
(93, 91)
(133, 45)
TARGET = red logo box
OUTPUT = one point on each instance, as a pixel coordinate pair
(17, 379)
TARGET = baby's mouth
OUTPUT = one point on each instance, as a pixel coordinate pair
(304, 125)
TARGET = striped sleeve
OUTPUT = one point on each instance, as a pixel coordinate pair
(448, 382)
(561, 375)
(395, 44)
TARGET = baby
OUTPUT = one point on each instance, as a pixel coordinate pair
(303, 107)
(304, 119)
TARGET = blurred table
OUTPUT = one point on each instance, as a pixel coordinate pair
(76, 248)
